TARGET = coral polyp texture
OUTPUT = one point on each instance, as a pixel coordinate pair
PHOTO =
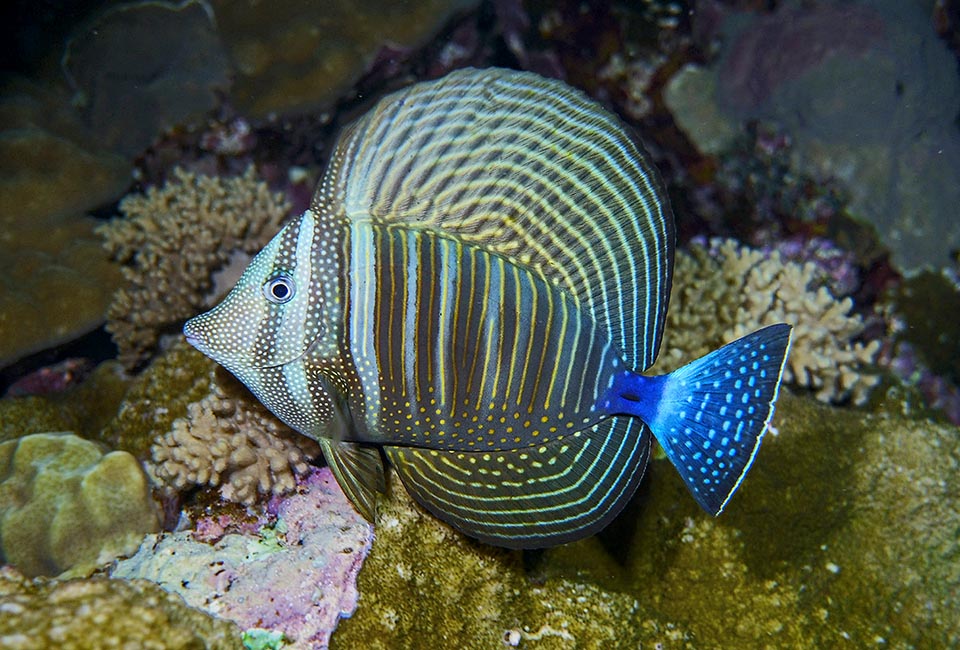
(234, 443)
(725, 290)
(170, 242)
(65, 506)
(103, 613)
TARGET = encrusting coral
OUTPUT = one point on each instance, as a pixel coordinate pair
(171, 242)
(103, 613)
(724, 291)
(232, 442)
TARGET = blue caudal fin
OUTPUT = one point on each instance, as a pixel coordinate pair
(710, 415)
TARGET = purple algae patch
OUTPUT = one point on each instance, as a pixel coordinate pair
(296, 575)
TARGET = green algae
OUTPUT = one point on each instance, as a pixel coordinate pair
(843, 533)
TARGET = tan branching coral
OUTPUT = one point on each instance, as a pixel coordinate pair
(729, 290)
(170, 243)
(232, 442)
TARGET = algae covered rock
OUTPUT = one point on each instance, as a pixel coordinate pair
(67, 506)
(102, 613)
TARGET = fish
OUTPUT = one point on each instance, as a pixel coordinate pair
(474, 295)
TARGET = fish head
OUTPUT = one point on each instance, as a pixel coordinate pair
(275, 313)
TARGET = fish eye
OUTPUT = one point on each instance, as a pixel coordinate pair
(279, 289)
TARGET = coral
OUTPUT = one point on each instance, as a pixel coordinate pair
(844, 533)
(425, 585)
(869, 95)
(296, 577)
(66, 506)
(171, 241)
(103, 613)
(84, 409)
(55, 282)
(926, 353)
(155, 398)
(144, 67)
(290, 56)
(233, 442)
(726, 291)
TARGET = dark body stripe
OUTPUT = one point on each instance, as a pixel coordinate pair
(473, 352)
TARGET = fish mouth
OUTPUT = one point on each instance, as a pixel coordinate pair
(193, 337)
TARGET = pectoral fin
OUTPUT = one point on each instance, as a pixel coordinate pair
(359, 471)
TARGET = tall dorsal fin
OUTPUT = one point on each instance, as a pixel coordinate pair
(530, 169)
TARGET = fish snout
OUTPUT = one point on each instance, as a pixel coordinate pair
(191, 331)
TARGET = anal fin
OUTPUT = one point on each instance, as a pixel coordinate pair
(359, 472)
(532, 497)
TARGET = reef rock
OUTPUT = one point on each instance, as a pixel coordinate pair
(868, 92)
(296, 577)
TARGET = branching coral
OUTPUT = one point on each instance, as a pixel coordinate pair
(727, 290)
(232, 442)
(171, 242)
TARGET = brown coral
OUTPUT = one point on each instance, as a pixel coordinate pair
(233, 442)
(171, 242)
(103, 613)
(726, 291)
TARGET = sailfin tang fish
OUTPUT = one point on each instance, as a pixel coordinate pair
(476, 288)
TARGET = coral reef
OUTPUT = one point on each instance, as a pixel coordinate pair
(725, 291)
(155, 398)
(868, 93)
(926, 352)
(292, 56)
(142, 68)
(170, 243)
(55, 283)
(425, 585)
(103, 613)
(84, 409)
(844, 533)
(297, 577)
(66, 506)
(232, 442)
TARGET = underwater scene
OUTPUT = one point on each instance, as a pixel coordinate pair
(480, 324)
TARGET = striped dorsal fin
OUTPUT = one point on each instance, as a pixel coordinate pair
(529, 169)
(533, 497)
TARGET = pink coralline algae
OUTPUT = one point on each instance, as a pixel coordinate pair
(296, 576)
